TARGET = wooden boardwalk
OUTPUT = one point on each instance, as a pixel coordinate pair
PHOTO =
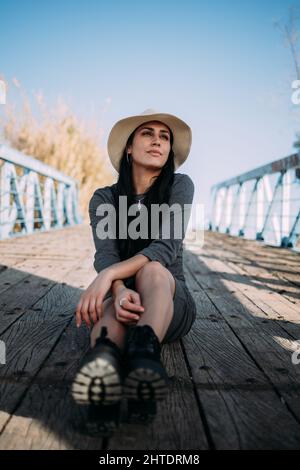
(233, 382)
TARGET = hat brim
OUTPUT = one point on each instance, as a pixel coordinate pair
(182, 136)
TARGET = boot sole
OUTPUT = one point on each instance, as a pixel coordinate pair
(147, 382)
(97, 382)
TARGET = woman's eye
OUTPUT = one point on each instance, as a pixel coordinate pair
(149, 133)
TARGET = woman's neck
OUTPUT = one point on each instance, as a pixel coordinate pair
(142, 180)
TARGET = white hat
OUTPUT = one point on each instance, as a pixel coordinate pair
(120, 132)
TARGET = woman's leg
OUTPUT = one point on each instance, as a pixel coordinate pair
(156, 286)
(115, 330)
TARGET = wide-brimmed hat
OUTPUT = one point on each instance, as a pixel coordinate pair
(120, 132)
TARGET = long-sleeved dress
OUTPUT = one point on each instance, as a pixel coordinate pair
(167, 251)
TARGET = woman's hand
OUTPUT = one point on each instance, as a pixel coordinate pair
(90, 303)
(131, 308)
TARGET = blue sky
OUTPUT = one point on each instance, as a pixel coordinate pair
(219, 65)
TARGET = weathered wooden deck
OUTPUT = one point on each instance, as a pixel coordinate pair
(233, 383)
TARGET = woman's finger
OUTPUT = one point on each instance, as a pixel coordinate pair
(78, 319)
(132, 306)
(78, 314)
(125, 314)
(126, 321)
(136, 298)
(99, 302)
(84, 311)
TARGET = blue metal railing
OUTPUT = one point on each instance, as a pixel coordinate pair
(262, 204)
(34, 196)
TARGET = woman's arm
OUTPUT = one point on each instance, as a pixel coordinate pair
(90, 303)
(116, 287)
(107, 252)
(162, 250)
(165, 250)
(126, 268)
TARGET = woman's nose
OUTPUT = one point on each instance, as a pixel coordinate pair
(156, 139)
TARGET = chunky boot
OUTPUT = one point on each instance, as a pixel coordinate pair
(146, 380)
(99, 379)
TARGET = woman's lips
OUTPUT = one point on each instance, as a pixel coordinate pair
(154, 152)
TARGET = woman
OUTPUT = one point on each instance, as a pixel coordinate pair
(139, 299)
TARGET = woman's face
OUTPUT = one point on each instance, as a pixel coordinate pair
(151, 145)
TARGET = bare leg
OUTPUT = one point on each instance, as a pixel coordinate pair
(156, 286)
(115, 330)
(98, 380)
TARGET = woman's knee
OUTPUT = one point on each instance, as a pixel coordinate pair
(153, 271)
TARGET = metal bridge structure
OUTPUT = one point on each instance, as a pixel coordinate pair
(262, 204)
(34, 196)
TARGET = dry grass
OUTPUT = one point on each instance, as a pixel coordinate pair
(58, 138)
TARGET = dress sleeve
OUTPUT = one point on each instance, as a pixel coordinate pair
(107, 251)
(165, 250)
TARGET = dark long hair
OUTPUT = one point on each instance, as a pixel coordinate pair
(158, 193)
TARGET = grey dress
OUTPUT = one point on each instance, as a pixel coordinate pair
(169, 252)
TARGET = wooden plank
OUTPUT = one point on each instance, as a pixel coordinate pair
(283, 260)
(25, 291)
(9, 277)
(37, 332)
(44, 409)
(272, 303)
(241, 408)
(178, 423)
(30, 340)
(261, 285)
(252, 328)
(253, 262)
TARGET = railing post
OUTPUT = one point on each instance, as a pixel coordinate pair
(228, 209)
(212, 223)
(242, 230)
(291, 241)
(242, 209)
(260, 208)
(285, 206)
(219, 202)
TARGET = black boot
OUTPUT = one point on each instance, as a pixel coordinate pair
(99, 379)
(146, 380)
